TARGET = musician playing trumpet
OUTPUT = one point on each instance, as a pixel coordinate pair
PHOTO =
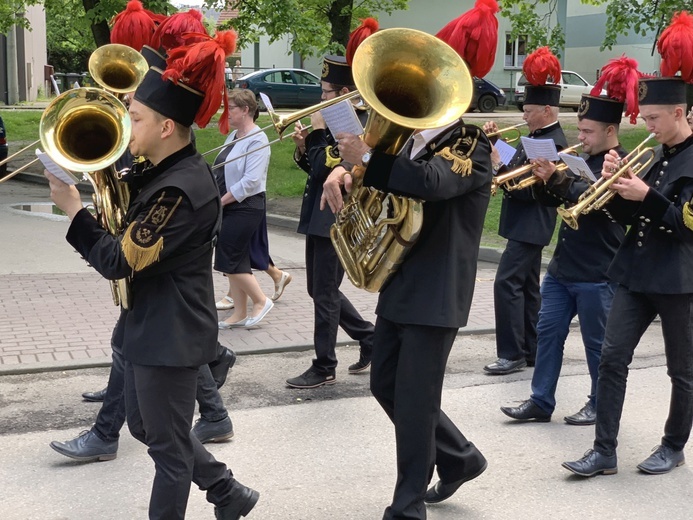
(576, 282)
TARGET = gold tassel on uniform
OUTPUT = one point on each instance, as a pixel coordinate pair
(688, 215)
(460, 153)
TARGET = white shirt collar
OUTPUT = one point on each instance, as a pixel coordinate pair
(424, 137)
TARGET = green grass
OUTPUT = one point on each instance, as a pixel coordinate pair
(284, 178)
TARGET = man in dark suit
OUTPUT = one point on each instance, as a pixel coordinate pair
(652, 268)
(528, 226)
(422, 306)
(317, 155)
(576, 282)
(169, 328)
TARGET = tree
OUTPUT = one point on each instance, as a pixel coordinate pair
(314, 26)
(623, 17)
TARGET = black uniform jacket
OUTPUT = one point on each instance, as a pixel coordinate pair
(435, 283)
(316, 163)
(657, 254)
(522, 218)
(581, 255)
(174, 210)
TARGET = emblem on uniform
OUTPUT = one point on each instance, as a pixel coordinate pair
(325, 69)
(159, 215)
(584, 107)
(460, 153)
(642, 91)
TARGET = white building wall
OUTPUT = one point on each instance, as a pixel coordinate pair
(36, 55)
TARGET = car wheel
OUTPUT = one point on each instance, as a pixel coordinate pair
(575, 109)
(487, 103)
(519, 106)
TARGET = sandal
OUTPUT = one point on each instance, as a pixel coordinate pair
(280, 285)
(225, 303)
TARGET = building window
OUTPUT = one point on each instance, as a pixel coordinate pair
(515, 51)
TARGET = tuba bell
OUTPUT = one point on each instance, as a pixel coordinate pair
(86, 130)
(411, 80)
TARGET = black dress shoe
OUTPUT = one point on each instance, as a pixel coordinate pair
(593, 463)
(220, 367)
(585, 417)
(662, 460)
(243, 500)
(505, 366)
(95, 397)
(213, 431)
(87, 447)
(440, 491)
(527, 411)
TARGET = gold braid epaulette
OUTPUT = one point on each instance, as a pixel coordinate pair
(460, 153)
(688, 215)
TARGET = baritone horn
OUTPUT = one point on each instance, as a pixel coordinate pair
(119, 69)
(513, 180)
(599, 194)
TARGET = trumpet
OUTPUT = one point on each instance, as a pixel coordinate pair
(512, 181)
(599, 194)
(514, 136)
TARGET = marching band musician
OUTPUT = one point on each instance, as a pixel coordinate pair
(528, 226)
(576, 282)
(170, 327)
(653, 270)
(316, 155)
(425, 302)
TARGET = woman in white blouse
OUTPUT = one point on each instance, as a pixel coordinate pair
(242, 185)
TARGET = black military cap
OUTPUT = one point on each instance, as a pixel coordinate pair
(542, 95)
(154, 58)
(603, 109)
(337, 71)
(661, 91)
(178, 102)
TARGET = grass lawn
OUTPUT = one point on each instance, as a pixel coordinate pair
(285, 179)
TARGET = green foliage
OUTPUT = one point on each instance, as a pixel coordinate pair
(537, 20)
(310, 24)
(638, 16)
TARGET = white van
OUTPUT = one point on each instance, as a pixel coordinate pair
(573, 86)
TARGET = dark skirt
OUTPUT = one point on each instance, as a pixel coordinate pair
(259, 246)
(239, 222)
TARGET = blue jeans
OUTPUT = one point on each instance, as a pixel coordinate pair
(560, 302)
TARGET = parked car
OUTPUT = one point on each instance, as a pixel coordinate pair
(573, 86)
(3, 148)
(487, 96)
(285, 87)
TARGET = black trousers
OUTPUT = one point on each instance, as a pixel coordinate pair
(517, 300)
(407, 372)
(324, 275)
(111, 416)
(631, 315)
(160, 402)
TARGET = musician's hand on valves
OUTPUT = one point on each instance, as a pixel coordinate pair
(611, 164)
(543, 169)
(490, 127)
(332, 189)
(351, 147)
(64, 196)
(317, 121)
(631, 187)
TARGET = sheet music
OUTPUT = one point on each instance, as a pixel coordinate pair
(578, 166)
(56, 170)
(505, 150)
(539, 148)
(266, 101)
(342, 118)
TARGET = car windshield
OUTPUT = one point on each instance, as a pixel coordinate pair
(523, 81)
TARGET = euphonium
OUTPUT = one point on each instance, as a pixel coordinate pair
(411, 80)
(599, 194)
(516, 180)
(86, 130)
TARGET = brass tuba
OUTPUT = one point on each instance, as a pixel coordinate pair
(411, 80)
(86, 130)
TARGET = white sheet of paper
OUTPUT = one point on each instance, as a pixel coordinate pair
(342, 118)
(56, 170)
(539, 148)
(505, 150)
(578, 166)
(266, 101)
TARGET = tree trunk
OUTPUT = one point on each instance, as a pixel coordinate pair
(340, 20)
(100, 30)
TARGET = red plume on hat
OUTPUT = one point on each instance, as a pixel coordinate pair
(200, 65)
(621, 75)
(675, 44)
(368, 26)
(170, 33)
(541, 65)
(474, 35)
(135, 26)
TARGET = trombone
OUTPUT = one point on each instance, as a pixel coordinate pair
(514, 132)
(118, 69)
(599, 194)
(510, 181)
